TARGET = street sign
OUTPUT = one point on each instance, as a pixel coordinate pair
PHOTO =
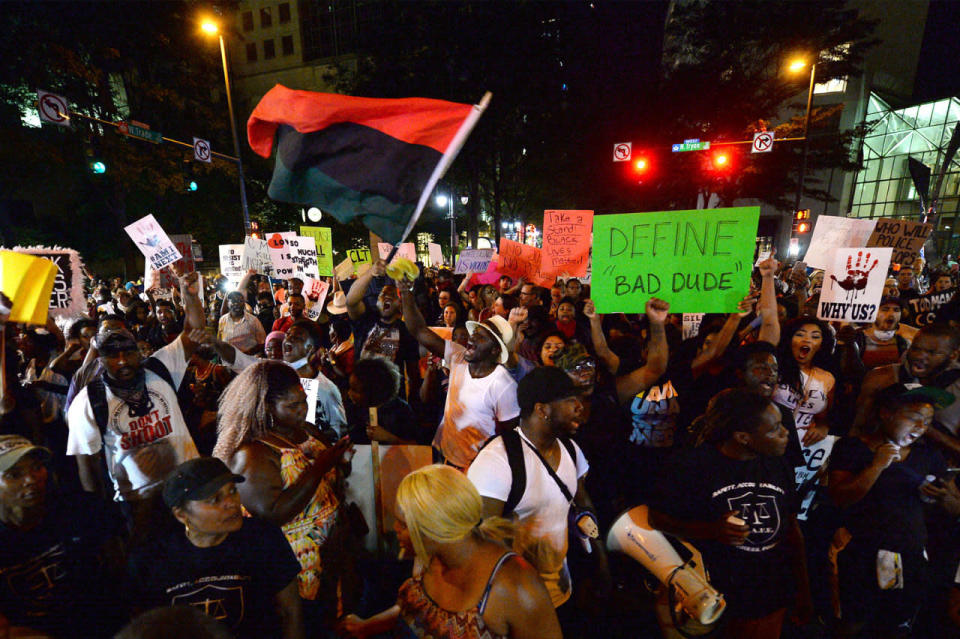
(762, 142)
(622, 151)
(201, 150)
(53, 108)
(141, 132)
(690, 145)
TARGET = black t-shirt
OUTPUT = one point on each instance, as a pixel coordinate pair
(234, 582)
(654, 413)
(890, 515)
(701, 484)
(374, 336)
(396, 417)
(51, 578)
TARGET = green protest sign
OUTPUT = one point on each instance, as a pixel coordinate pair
(698, 261)
(321, 235)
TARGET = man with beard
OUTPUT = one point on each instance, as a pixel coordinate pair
(239, 327)
(297, 304)
(931, 360)
(481, 398)
(381, 331)
(553, 470)
(130, 416)
(880, 343)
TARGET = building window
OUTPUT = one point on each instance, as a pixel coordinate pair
(283, 12)
(286, 45)
(247, 19)
(252, 52)
(269, 52)
(266, 20)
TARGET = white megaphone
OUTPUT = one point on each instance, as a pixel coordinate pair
(631, 534)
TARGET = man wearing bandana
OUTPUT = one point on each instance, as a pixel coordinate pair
(130, 418)
(881, 343)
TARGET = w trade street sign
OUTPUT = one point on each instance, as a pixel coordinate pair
(140, 131)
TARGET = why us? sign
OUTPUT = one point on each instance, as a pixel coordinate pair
(698, 261)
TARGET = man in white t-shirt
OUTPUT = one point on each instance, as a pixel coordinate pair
(482, 396)
(550, 413)
(140, 429)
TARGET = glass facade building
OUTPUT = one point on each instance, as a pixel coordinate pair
(883, 188)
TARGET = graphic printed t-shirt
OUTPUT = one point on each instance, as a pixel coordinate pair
(139, 451)
(701, 484)
(50, 578)
(324, 404)
(376, 337)
(234, 582)
(655, 412)
(541, 514)
(473, 407)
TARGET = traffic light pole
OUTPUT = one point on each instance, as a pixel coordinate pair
(806, 141)
(236, 140)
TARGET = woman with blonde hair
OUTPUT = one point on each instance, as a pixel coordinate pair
(466, 583)
(291, 475)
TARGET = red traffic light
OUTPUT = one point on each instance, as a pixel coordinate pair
(641, 164)
(803, 227)
(721, 159)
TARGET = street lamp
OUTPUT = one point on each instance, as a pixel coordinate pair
(212, 28)
(444, 201)
(796, 66)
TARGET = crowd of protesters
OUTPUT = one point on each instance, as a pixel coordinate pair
(176, 459)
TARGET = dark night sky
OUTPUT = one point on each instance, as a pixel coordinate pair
(938, 71)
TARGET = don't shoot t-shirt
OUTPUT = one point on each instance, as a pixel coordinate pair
(140, 450)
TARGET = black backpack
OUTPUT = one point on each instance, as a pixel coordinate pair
(97, 391)
(518, 471)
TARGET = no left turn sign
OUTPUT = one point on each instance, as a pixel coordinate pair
(762, 142)
(622, 151)
(201, 150)
(53, 108)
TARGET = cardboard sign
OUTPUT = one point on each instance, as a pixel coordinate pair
(436, 254)
(153, 242)
(853, 284)
(473, 261)
(231, 262)
(691, 324)
(280, 255)
(906, 238)
(832, 233)
(344, 270)
(407, 250)
(324, 244)
(698, 261)
(28, 281)
(923, 310)
(814, 456)
(256, 256)
(567, 236)
(67, 298)
(303, 254)
(359, 256)
(522, 260)
(315, 294)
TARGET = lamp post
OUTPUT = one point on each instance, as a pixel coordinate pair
(444, 201)
(211, 27)
(797, 66)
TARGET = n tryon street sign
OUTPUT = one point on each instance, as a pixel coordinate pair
(690, 145)
(137, 130)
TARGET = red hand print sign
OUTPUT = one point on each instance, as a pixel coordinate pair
(853, 285)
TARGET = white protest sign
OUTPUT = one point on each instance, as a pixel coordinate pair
(473, 260)
(814, 457)
(256, 256)
(832, 233)
(153, 242)
(407, 250)
(303, 253)
(436, 254)
(231, 263)
(315, 294)
(280, 254)
(853, 284)
(691, 324)
(763, 256)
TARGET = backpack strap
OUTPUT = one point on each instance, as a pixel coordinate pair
(97, 394)
(518, 471)
(159, 369)
(568, 444)
(902, 344)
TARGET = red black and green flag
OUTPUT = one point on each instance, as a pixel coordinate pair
(377, 159)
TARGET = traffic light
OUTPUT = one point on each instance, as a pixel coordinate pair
(641, 165)
(189, 181)
(192, 186)
(98, 167)
(721, 160)
(801, 221)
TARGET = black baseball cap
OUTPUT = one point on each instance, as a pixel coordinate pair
(196, 479)
(543, 385)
